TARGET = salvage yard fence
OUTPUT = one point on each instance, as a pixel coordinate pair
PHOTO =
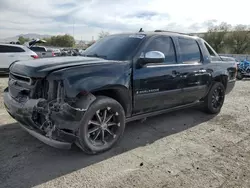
(239, 57)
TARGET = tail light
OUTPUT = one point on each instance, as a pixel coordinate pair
(35, 56)
(53, 54)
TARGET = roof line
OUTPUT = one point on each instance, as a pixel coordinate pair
(173, 32)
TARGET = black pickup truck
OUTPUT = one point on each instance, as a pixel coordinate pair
(124, 77)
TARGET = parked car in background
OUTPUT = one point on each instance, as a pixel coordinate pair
(70, 52)
(57, 52)
(121, 78)
(41, 51)
(65, 52)
(10, 53)
(75, 52)
(81, 51)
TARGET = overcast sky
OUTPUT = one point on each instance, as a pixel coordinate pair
(92, 16)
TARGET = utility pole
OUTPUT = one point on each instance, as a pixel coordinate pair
(74, 28)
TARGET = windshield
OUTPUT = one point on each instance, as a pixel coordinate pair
(115, 47)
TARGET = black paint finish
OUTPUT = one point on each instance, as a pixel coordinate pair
(148, 88)
(141, 89)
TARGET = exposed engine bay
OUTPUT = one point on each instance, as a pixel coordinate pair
(46, 107)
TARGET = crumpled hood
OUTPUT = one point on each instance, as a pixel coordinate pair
(41, 67)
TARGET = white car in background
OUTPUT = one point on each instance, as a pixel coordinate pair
(13, 52)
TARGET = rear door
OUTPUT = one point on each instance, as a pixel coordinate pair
(195, 73)
(157, 86)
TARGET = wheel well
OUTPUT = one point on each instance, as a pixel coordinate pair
(116, 95)
(223, 79)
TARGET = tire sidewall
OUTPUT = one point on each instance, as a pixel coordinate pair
(100, 103)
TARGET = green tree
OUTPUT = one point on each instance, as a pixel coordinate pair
(22, 40)
(48, 41)
(238, 39)
(215, 36)
(60, 41)
(103, 34)
(63, 41)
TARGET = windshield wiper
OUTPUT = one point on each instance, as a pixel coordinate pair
(96, 55)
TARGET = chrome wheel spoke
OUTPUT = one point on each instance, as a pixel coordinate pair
(98, 116)
(104, 116)
(109, 118)
(103, 139)
(111, 133)
(97, 135)
(93, 130)
(111, 124)
(94, 123)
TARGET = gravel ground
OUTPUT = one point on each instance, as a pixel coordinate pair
(182, 149)
(4, 117)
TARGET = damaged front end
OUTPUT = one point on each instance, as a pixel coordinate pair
(43, 109)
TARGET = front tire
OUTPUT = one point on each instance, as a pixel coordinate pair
(102, 126)
(215, 98)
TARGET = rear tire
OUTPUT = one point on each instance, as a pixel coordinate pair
(215, 98)
(102, 126)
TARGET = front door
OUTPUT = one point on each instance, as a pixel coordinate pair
(157, 86)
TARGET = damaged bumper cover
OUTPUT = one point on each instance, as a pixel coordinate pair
(46, 140)
(62, 120)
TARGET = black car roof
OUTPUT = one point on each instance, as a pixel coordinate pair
(160, 32)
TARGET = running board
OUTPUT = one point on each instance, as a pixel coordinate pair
(142, 116)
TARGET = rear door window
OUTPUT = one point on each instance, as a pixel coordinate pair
(190, 51)
(212, 53)
(10, 49)
(165, 45)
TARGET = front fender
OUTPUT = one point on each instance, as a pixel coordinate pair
(93, 78)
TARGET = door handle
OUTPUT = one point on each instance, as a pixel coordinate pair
(43, 53)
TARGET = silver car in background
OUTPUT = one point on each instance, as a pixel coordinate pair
(13, 52)
(41, 51)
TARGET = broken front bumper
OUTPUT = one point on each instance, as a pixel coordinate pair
(23, 111)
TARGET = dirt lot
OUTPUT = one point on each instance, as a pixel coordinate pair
(182, 149)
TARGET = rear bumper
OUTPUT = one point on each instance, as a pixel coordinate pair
(23, 112)
(230, 86)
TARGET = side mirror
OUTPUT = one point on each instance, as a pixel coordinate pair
(153, 57)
